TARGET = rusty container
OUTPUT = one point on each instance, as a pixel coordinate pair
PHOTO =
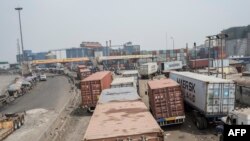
(92, 86)
(121, 115)
(166, 101)
(81, 67)
(198, 63)
(84, 73)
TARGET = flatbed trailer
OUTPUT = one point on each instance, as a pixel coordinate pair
(9, 123)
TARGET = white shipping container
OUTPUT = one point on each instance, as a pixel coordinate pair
(123, 82)
(148, 69)
(217, 63)
(211, 96)
(174, 65)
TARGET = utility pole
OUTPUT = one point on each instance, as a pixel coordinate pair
(166, 40)
(18, 52)
(209, 43)
(195, 56)
(20, 26)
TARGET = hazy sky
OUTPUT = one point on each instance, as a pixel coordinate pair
(54, 24)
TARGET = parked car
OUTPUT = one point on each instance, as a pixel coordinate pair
(43, 77)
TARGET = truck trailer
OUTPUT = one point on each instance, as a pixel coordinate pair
(166, 102)
(148, 70)
(92, 86)
(121, 115)
(210, 98)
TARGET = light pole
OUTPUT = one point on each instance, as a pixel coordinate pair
(20, 25)
(173, 43)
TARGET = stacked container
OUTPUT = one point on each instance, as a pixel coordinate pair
(92, 86)
(198, 63)
(166, 101)
(121, 115)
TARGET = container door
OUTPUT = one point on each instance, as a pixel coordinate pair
(228, 97)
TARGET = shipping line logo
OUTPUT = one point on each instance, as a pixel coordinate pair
(189, 87)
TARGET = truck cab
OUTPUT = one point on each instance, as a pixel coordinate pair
(237, 117)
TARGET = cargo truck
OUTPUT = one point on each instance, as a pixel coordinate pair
(9, 123)
(210, 98)
(235, 117)
(121, 115)
(132, 73)
(173, 65)
(166, 102)
(148, 70)
(92, 86)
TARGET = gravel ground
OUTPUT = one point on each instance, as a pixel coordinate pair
(42, 105)
(36, 121)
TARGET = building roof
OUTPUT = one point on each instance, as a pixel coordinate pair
(123, 80)
(97, 76)
(162, 83)
(119, 119)
(202, 77)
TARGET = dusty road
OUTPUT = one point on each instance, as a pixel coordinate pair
(42, 105)
(50, 95)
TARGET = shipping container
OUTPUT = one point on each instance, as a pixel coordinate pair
(92, 86)
(81, 67)
(173, 65)
(123, 82)
(166, 101)
(198, 63)
(148, 69)
(83, 73)
(121, 115)
(216, 63)
(211, 98)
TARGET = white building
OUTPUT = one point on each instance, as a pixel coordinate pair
(4, 65)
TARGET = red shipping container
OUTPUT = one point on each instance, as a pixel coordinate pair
(166, 101)
(92, 86)
(83, 73)
(198, 63)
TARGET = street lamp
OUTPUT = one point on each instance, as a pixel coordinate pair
(173, 42)
(20, 25)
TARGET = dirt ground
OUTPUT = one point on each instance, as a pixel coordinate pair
(187, 131)
(36, 121)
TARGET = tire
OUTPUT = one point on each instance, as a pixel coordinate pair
(15, 125)
(204, 121)
(19, 124)
(199, 123)
(22, 120)
(221, 138)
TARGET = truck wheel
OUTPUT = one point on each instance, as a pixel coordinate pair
(199, 123)
(15, 125)
(22, 120)
(19, 124)
(204, 121)
(221, 138)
